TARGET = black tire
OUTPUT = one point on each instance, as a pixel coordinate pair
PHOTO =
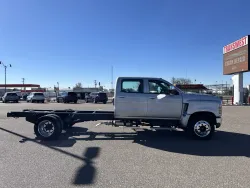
(104, 102)
(94, 101)
(42, 101)
(75, 102)
(86, 101)
(206, 122)
(57, 124)
(17, 101)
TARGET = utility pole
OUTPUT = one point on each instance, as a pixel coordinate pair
(57, 89)
(23, 79)
(226, 88)
(5, 67)
(24, 88)
(112, 78)
(95, 83)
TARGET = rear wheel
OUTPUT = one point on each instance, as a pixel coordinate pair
(201, 127)
(48, 127)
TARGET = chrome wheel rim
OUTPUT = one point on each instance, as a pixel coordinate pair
(202, 128)
(46, 128)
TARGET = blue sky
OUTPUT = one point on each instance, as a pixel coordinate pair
(70, 41)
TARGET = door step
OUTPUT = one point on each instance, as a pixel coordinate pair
(163, 128)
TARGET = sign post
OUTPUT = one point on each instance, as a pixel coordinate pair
(236, 62)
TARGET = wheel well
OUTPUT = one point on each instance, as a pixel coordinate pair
(198, 114)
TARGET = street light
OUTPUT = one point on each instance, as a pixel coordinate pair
(5, 67)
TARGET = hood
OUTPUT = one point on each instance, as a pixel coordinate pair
(200, 97)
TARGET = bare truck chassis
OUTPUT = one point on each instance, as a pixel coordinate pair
(48, 124)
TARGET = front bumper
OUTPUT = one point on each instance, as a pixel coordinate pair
(218, 122)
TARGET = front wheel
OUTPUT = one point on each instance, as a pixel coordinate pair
(201, 127)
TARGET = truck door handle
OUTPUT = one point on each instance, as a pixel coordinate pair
(121, 97)
(151, 97)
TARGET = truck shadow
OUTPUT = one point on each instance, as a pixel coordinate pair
(85, 174)
(222, 144)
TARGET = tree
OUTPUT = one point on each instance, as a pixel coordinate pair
(78, 85)
(181, 81)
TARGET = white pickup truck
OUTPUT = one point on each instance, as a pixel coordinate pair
(159, 103)
(138, 101)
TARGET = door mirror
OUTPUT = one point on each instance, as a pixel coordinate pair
(173, 91)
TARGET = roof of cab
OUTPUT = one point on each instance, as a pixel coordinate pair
(138, 77)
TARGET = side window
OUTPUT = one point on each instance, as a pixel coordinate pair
(132, 86)
(158, 87)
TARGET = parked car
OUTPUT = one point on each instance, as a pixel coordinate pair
(10, 96)
(36, 97)
(96, 97)
(67, 97)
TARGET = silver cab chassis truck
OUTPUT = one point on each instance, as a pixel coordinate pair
(138, 101)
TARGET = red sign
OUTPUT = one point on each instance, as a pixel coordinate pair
(35, 90)
(235, 45)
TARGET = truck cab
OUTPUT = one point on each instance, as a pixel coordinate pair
(150, 98)
(156, 101)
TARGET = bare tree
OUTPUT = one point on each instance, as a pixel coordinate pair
(181, 81)
(78, 85)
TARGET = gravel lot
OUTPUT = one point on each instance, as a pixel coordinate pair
(120, 157)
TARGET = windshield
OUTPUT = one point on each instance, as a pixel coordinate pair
(38, 94)
(11, 94)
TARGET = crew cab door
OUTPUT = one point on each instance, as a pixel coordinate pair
(130, 100)
(161, 102)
